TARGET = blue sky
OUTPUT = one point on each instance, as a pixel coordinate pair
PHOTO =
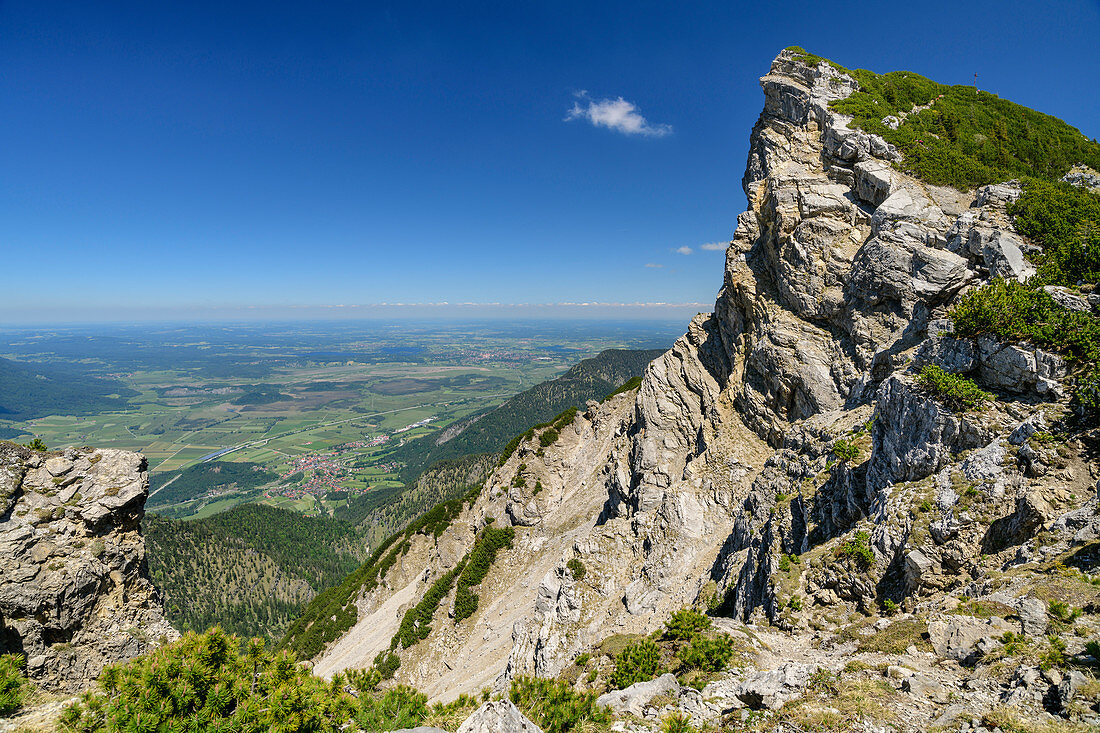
(161, 159)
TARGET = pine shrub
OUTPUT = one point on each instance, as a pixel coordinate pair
(858, 549)
(576, 568)
(685, 624)
(707, 655)
(13, 684)
(555, 706)
(638, 662)
(957, 393)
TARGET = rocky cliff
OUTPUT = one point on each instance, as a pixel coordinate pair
(782, 465)
(74, 595)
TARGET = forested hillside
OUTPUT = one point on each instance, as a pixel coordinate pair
(378, 514)
(590, 379)
(166, 489)
(35, 390)
(250, 568)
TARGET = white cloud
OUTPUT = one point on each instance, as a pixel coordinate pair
(653, 264)
(714, 246)
(614, 114)
(685, 250)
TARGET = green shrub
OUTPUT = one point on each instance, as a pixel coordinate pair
(677, 722)
(955, 392)
(1063, 612)
(858, 549)
(889, 607)
(387, 663)
(968, 137)
(794, 603)
(1065, 220)
(707, 655)
(1011, 312)
(845, 450)
(638, 662)
(1092, 648)
(555, 706)
(1055, 655)
(491, 541)
(824, 681)
(416, 624)
(582, 659)
(685, 624)
(13, 684)
(548, 437)
(510, 448)
(628, 386)
(576, 568)
(396, 708)
(37, 445)
(203, 678)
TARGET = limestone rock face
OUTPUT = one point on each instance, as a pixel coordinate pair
(74, 595)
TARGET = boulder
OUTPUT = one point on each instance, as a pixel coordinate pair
(1068, 687)
(874, 181)
(917, 566)
(498, 716)
(1032, 613)
(1068, 299)
(773, 688)
(633, 699)
(1017, 369)
(961, 637)
(1003, 254)
(926, 688)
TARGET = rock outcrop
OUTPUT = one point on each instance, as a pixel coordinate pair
(74, 595)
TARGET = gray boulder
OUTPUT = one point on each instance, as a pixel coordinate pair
(498, 716)
(1068, 687)
(924, 687)
(773, 688)
(1067, 299)
(632, 700)
(962, 638)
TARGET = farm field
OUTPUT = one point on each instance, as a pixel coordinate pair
(315, 410)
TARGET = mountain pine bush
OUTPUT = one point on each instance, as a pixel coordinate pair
(13, 684)
(556, 706)
(639, 662)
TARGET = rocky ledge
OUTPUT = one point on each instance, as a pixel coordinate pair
(74, 594)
